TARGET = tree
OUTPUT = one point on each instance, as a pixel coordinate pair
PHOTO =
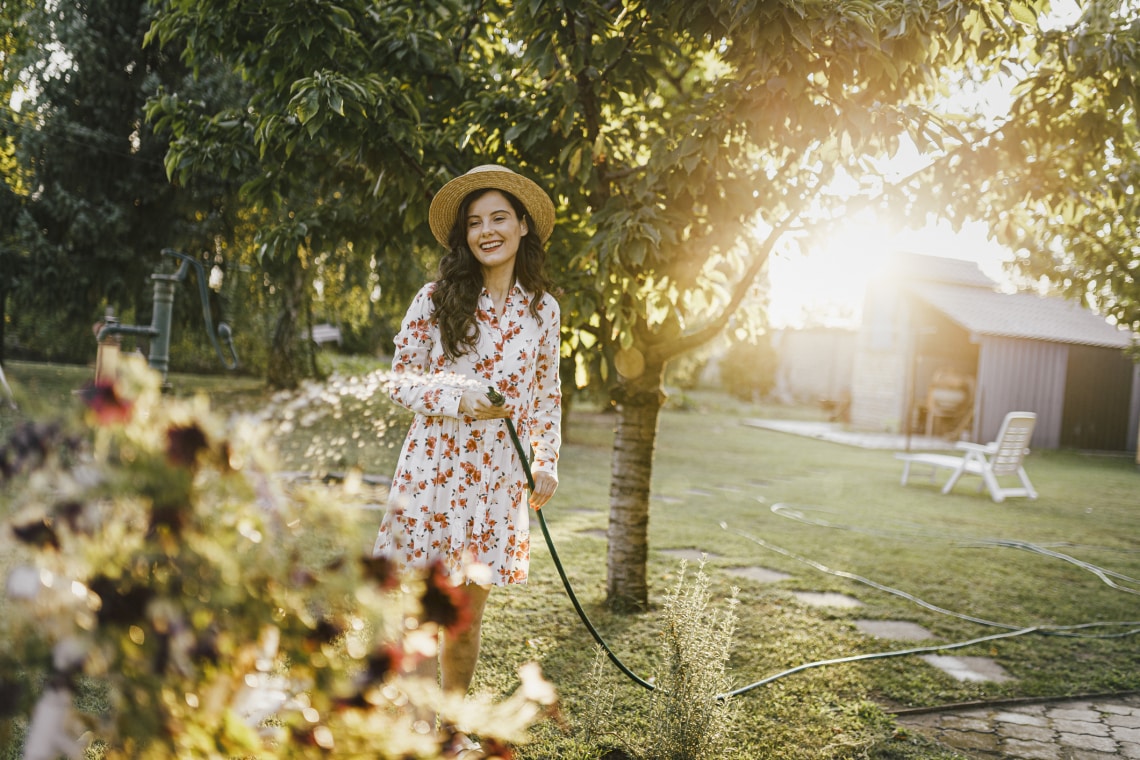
(1055, 177)
(683, 143)
(99, 207)
(15, 42)
(693, 140)
(333, 135)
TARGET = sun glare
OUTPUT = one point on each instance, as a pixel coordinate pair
(823, 285)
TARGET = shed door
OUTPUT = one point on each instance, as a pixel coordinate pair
(1098, 390)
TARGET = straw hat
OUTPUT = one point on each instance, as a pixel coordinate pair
(445, 204)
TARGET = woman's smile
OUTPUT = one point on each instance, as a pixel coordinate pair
(494, 231)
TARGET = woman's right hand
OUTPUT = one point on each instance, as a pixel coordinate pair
(474, 403)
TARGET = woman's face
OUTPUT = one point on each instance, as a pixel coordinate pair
(494, 231)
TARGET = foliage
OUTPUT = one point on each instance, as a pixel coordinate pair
(690, 720)
(1054, 177)
(214, 611)
(88, 175)
(748, 368)
(86, 205)
(684, 718)
(332, 140)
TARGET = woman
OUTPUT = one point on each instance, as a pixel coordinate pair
(489, 320)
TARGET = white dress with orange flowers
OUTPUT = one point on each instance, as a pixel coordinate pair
(459, 492)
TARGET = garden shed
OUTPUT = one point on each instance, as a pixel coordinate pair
(943, 352)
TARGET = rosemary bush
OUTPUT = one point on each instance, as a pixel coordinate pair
(683, 719)
(688, 720)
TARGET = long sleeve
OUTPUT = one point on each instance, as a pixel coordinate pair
(546, 428)
(417, 382)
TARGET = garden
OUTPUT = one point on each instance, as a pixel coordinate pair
(743, 522)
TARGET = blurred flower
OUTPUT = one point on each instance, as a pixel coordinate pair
(39, 533)
(326, 631)
(29, 445)
(120, 606)
(105, 403)
(381, 570)
(384, 661)
(183, 444)
(492, 748)
(444, 603)
(24, 583)
(535, 687)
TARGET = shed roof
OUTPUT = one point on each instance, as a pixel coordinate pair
(984, 311)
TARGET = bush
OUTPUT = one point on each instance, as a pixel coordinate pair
(164, 579)
(686, 717)
(748, 370)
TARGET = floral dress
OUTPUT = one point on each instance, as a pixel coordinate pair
(459, 492)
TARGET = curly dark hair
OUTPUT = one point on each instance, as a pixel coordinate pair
(460, 279)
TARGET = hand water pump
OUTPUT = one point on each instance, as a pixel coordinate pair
(158, 331)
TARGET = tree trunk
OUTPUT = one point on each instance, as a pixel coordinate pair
(639, 403)
(283, 369)
(3, 319)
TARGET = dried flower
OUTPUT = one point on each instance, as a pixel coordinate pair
(39, 533)
(183, 444)
(444, 603)
(381, 570)
(384, 661)
(106, 404)
(120, 606)
(29, 444)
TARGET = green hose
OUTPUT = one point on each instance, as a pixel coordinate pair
(498, 400)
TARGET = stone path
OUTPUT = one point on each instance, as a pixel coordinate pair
(1093, 728)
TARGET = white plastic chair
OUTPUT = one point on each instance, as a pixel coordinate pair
(1003, 456)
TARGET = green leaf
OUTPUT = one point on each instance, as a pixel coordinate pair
(1022, 14)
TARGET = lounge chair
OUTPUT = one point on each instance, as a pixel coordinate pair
(1004, 456)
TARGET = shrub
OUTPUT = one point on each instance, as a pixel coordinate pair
(685, 717)
(748, 370)
(688, 718)
(160, 570)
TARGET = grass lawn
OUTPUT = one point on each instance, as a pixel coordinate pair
(752, 498)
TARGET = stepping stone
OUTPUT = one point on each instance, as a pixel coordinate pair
(827, 599)
(969, 668)
(759, 574)
(897, 630)
(693, 555)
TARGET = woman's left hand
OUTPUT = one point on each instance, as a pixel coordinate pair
(544, 487)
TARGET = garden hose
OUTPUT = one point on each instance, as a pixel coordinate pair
(498, 399)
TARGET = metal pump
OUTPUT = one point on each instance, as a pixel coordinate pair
(159, 329)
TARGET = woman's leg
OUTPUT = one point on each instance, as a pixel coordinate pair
(460, 651)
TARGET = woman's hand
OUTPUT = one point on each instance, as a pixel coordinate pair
(474, 403)
(544, 486)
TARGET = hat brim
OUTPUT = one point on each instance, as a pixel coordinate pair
(445, 205)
